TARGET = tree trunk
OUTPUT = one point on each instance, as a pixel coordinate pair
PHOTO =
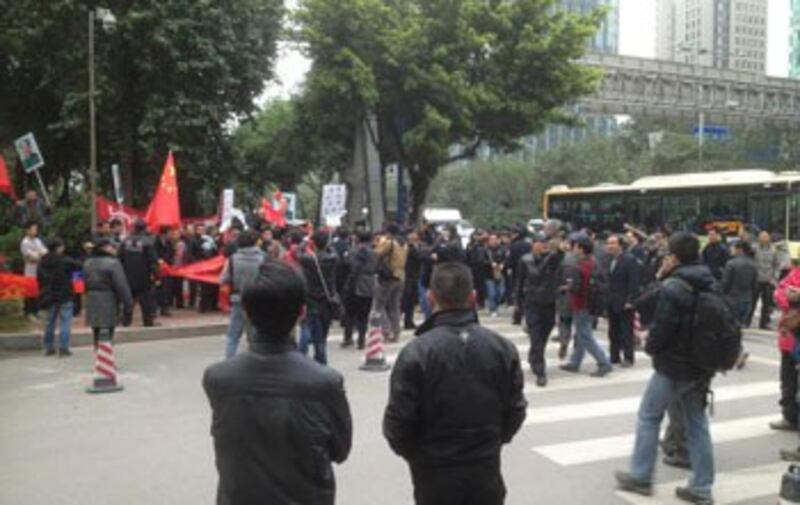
(420, 184)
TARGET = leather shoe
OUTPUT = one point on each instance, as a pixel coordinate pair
(782, 425)
(687, 495)
(626, 482)
(541, 380)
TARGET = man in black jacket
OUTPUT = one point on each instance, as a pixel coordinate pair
(279, 419)
(623, 288)
(537, 285)
(319, 265)
(140, 261)
(56, 295)
(455, 398)
(676, 378)
(715, 254)
(520, 246)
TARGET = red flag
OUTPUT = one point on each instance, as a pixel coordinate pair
(164, 209)
(272, 215)
(5, 182)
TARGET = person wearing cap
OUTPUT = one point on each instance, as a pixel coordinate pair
(106, 290)
(536, 290)
(54, 276)
(140, 262)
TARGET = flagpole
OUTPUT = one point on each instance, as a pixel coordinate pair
(92, 127)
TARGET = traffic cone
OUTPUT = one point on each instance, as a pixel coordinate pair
(105, 379)
(375, 360)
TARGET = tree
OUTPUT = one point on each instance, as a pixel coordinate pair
(444, 73)
(171, 75)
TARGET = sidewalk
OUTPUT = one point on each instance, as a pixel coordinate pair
(185, 323)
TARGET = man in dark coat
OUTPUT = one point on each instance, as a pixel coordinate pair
(278, 419)
(56, 295)
(520, 246)
(140, 261)
(319, 265)
(106, 291)
(456, 396)
(359, 288)
(715, 254)
(623, 288)
(675, 378)
(537, 279)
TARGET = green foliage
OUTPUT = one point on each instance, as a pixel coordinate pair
(281, 145)
(9, 248)
(71, 223)
(439, 73)
(171, 75)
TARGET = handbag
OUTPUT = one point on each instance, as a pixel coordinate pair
(332, 299)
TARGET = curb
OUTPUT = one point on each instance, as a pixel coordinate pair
(83, 338)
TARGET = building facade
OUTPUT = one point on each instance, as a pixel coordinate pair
(729, 34)
(605, 41)
(794, 41)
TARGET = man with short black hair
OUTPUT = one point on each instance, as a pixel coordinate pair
(456, 396)
(676, 377)
(240, 269)
(140, 261)
(319, 265)
(278, 418)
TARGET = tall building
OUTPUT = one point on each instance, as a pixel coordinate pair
(794, 41)
(716, 33)
(606, 40)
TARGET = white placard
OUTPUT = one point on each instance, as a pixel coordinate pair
(334, 202)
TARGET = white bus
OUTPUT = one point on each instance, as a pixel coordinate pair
(690, 202)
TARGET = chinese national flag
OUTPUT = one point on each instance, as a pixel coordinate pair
(5, 182)
(164, 209)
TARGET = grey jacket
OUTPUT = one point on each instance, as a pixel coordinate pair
(106, 289)
(767, 263)
(240, 269)
(740, 279)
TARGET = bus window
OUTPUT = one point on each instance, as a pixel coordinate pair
(768, 212)
(645, 212)
(681, 212)
(723, 208)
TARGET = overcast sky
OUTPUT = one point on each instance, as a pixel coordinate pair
(637, 38)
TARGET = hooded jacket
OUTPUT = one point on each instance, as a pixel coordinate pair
(456, 394)
(669, 342)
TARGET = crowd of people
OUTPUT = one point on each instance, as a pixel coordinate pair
(449, 421)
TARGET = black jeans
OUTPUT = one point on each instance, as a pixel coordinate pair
(477, 484)
(620, 335)
(765, 293)
(409, 301)
(147, 303)
(540, 318)
(358, 308)
(788, 401)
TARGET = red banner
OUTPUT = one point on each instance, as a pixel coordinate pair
(207, 271)
(14, 286)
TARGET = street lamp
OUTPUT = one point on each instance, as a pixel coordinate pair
(109, 23)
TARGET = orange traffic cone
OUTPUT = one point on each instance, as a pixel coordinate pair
(105, 380)
(375, 360)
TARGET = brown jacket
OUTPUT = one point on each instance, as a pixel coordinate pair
(396, 253)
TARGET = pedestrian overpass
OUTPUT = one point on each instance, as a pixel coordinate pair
(648, 87)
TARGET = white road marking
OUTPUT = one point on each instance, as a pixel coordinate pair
(729, 487)
(628, 405)
(601, 449)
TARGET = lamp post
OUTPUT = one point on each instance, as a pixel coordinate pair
(109, 22)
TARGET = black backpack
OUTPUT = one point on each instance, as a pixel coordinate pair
(716, 335)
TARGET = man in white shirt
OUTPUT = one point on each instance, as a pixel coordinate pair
(32, 249)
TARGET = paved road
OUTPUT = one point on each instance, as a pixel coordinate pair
(150, 444)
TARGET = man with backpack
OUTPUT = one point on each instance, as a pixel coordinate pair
(585, 303)
(694, 333)
(392, 254)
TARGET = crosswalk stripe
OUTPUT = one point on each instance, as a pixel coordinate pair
(566, 383)
(600, 449)
(729, 487)
(590, 410)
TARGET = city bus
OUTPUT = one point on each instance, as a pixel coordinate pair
(689, 202)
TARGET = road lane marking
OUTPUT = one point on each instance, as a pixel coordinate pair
(630, 404)
(605, 448)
